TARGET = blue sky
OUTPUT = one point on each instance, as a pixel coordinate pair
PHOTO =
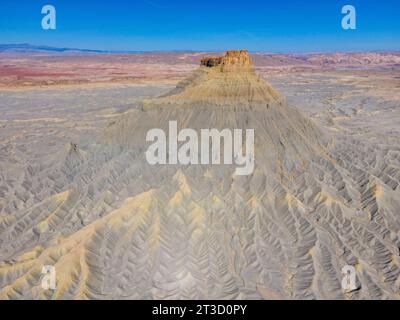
(273, 26)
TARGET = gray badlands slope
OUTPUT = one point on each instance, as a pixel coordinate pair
(321, 196)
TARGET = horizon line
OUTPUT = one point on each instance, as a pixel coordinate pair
(43, 47)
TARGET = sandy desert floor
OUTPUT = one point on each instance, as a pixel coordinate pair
(94, 214)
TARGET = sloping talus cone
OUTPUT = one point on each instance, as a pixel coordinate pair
(226, 92)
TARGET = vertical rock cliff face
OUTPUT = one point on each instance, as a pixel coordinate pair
(233, 60)
(122, 228)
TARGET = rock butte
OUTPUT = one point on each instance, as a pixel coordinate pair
(232, 60)
(229, 80)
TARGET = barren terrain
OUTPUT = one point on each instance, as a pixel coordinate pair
(43, 69)
(76, 192)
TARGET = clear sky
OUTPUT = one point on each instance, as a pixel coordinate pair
(273, 26)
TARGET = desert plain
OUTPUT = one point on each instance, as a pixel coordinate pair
(77, 194)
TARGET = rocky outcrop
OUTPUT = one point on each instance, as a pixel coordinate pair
(232, 60)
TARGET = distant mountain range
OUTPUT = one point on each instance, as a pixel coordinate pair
(26, 47)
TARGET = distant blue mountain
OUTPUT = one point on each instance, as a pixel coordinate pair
(25, 47)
